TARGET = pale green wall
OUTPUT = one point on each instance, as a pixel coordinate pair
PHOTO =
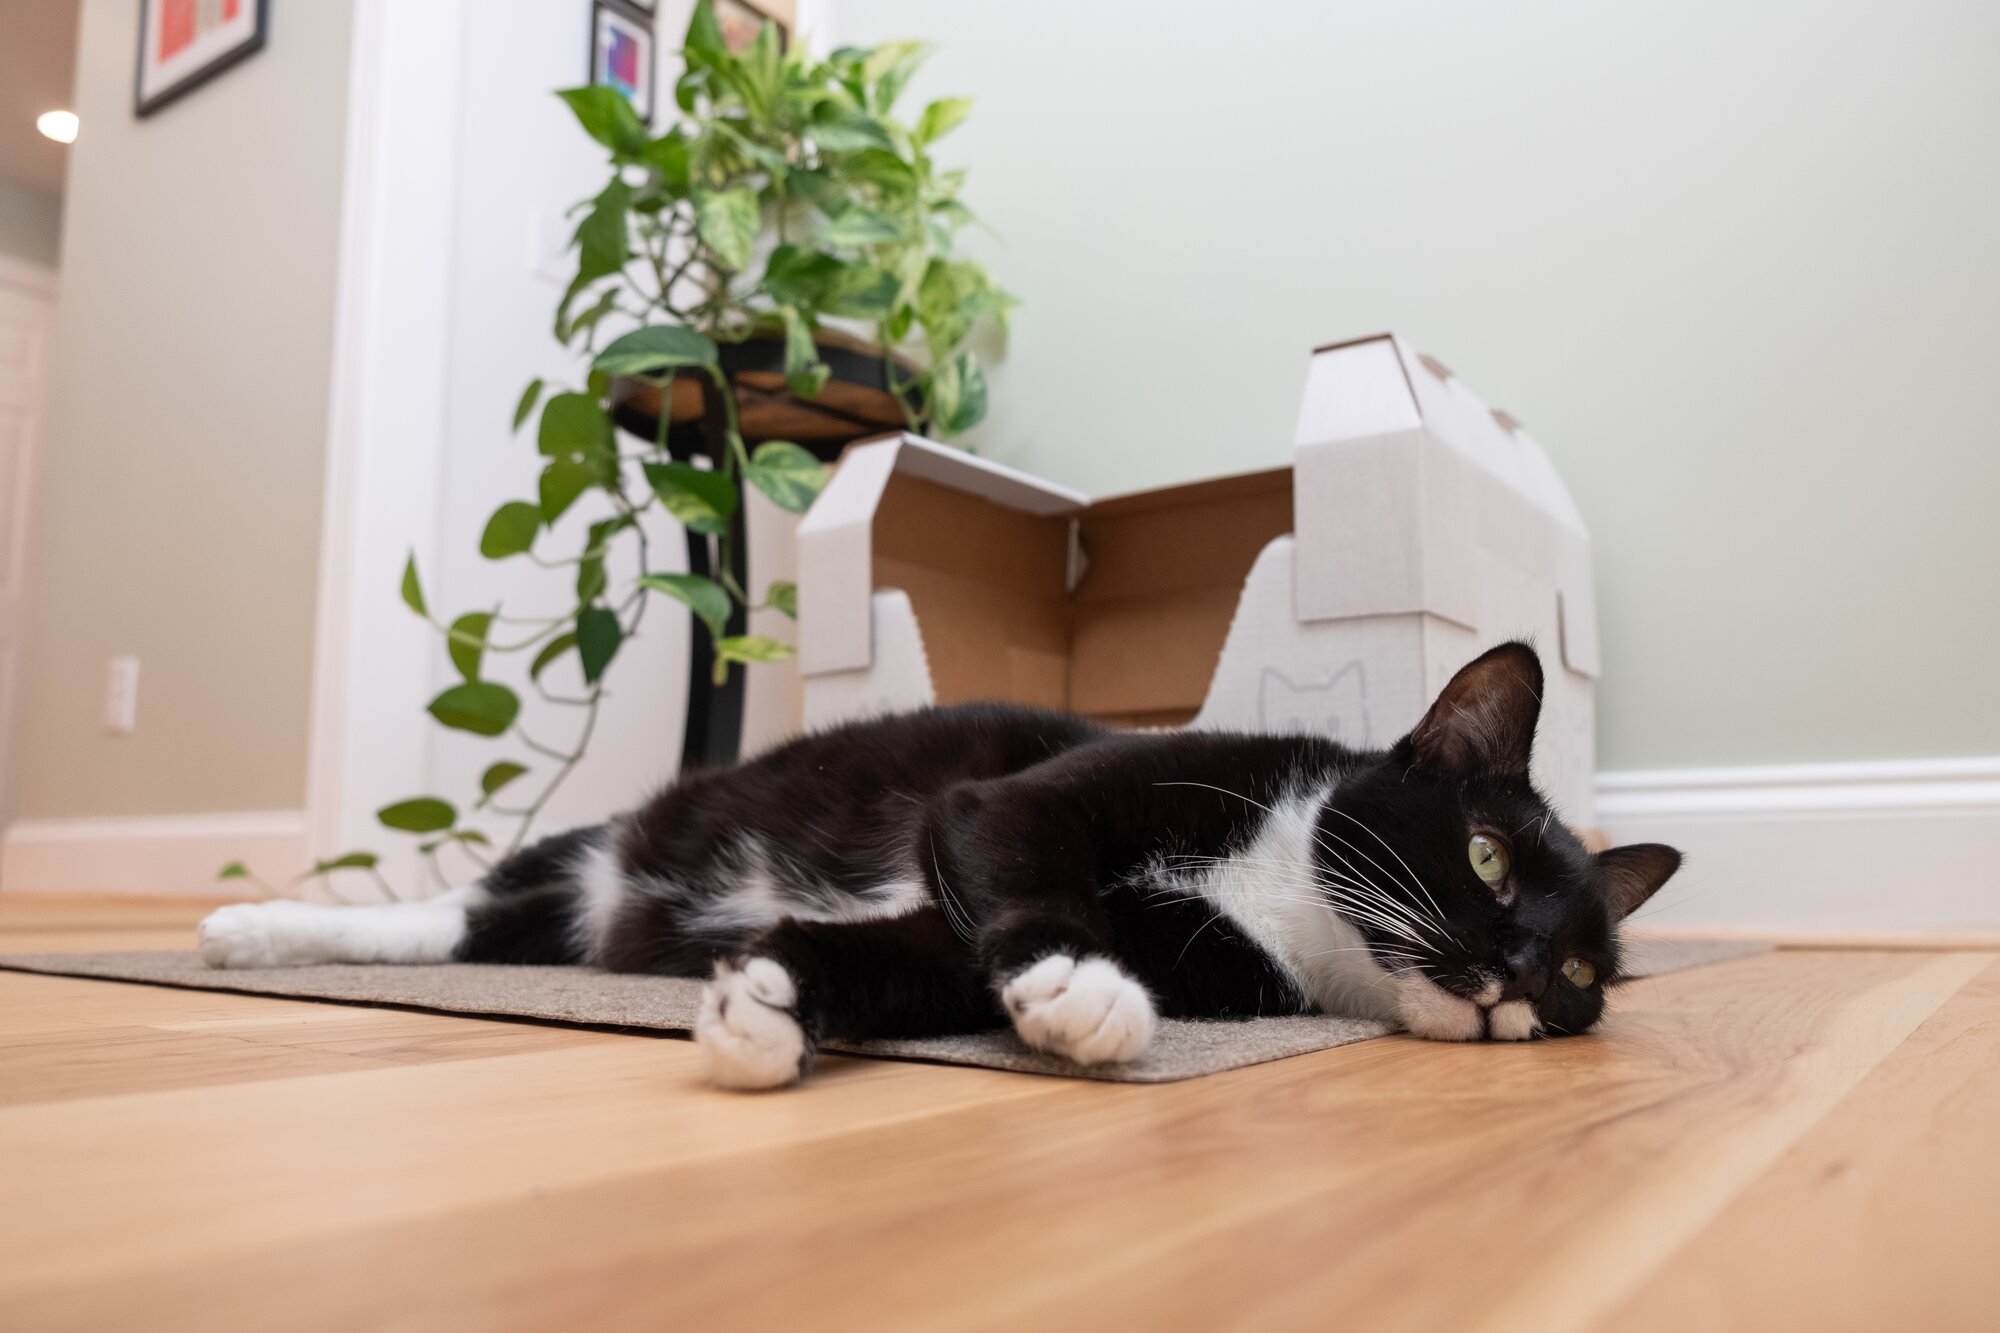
(1736, 265)
(179, 490)
(30, 224)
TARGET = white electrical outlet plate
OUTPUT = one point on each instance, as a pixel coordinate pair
(121, 695)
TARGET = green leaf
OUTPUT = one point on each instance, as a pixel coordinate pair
(797, 277)
(467, 642)
(703, 596)
(726, 221)
(859, 227)
(669, 156)
(786, 473)
(941, 118)
(839, 129)
(574, 425)
(650, 350)
(957, 400)
(889, 68)
(821, 190)
(701, 500)
(861, 291)
(783, 596)
(497, 776)
(413, 591)
(562, 481)
(529, 397)
(234, 870)
(704, 36)
(586, 320)
(751, 648)
(598, 635)
(511, 530)
(882, 169)
(425, 814)
(591, 579)
(608, 117)
(483, 708)
(602, 238)
(808, 382)
(351, 861)
(555, 648)
(801, 354)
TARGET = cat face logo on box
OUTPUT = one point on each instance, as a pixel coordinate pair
(953, 869)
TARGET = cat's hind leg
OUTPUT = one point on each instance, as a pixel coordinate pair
(291, 934)
(764, 1011)
(545, 904)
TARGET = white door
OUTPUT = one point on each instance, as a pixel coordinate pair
(27, 310)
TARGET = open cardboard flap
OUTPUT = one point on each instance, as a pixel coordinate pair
(1417, 528)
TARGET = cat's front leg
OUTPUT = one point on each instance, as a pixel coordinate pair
(1082, 1007)
(748, 1026)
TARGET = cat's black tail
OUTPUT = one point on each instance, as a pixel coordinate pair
(546, 903)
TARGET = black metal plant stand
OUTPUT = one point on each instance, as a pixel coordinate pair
(855, 405)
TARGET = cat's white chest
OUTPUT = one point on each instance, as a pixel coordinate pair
(1273, 892)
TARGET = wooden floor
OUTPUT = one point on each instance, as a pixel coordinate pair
(1806, 1140)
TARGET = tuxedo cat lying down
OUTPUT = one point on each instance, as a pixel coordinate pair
(959, 868)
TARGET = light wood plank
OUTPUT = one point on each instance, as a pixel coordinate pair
(1731, 1137)
(1886, 1215)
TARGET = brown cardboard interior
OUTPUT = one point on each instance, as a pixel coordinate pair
(1135, 643)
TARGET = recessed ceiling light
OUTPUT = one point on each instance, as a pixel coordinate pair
(58, 125)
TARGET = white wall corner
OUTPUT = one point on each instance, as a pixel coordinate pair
(155, 854)
(1883, 851)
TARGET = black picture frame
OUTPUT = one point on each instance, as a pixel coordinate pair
(143, 105)
(643, 20)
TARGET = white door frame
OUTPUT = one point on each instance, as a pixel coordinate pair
(372, 659)
(37, 284)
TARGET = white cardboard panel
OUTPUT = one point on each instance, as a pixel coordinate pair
(1426, 530)
(1355, 390)
(836, 561)
(1358, 680)
(898, 679)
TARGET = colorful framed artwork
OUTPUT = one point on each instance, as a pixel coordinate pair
(621, 55)
(185, 43)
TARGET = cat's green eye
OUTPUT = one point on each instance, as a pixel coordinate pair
(1581, 974)
(1489, 858)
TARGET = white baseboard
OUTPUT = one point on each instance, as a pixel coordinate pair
(1895, 851)
(153, 854)
(1892, 851)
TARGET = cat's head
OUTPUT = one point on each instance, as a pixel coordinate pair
(1490, 916)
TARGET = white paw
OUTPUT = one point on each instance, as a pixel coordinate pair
(1088, 1011)
(261, 935)
(1430, 1011)
(748, 1036)
(1515, 1020)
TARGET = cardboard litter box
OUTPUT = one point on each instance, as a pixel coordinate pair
(1416, 528)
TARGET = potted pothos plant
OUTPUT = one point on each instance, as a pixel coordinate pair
(790, 224)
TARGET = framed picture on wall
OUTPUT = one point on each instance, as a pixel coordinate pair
(621, 54)
(185, 43)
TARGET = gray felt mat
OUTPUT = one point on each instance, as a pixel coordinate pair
(1183, 1048)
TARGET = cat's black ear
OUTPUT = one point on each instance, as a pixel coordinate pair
(1483, 722)
(1628, 876)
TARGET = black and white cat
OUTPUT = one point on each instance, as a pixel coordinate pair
(959, 868)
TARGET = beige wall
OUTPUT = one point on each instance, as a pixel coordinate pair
(30, 224)
(180, 489)
(1735, 265)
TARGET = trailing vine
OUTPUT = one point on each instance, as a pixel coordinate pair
(786, 198)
